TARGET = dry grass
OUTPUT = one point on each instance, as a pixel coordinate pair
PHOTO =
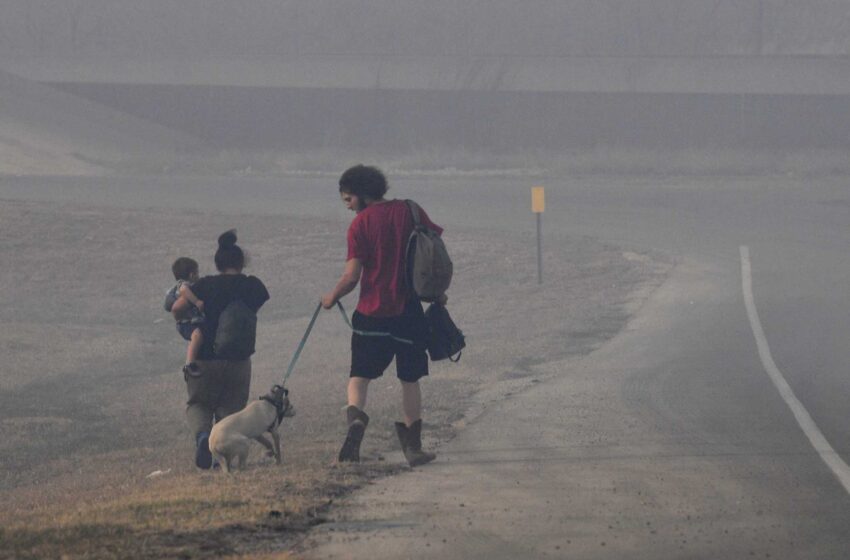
(253, 514)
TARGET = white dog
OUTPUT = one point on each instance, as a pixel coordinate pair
(230, 437)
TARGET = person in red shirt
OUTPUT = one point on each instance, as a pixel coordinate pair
(389, 321)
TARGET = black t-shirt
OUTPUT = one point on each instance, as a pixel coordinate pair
(218, 291)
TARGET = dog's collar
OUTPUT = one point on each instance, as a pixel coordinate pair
(281, 411)
(277, 404)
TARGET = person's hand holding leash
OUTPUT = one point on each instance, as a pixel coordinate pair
(328, 301)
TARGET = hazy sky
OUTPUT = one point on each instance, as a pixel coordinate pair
(437, 27)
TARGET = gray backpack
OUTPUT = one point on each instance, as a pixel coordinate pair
(428, 267)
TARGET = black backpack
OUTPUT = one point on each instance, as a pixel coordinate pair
(236, 333)
(444, 338)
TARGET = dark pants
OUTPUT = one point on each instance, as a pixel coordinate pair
(220, 389)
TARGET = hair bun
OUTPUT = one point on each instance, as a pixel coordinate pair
(227, 239)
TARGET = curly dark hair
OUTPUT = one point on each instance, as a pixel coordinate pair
(364, 181)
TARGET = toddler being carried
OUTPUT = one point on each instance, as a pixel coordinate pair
(189, 324)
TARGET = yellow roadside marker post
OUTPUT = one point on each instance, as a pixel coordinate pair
(538, 204)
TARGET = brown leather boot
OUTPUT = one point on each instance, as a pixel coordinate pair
(411, 444)
(357, 422)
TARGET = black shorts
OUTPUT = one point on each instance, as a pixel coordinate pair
(372, 354)
(186, 329)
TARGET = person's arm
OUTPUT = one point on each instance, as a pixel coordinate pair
(187, 293)
(426, 221)
(347, 282)
(170, 299)
(180, 308)
(256, 293)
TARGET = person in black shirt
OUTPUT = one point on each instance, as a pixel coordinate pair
(219, 387)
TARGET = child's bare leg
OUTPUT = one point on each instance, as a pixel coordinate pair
(194, 346)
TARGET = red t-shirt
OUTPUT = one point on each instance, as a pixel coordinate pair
(377, 237)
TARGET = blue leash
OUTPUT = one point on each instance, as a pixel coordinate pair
(347, 322)
(301, 346)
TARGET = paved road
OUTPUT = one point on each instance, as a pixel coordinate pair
(671, 441)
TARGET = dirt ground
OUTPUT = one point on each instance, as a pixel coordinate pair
(95, 458)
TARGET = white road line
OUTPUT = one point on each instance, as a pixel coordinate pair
(826, 452)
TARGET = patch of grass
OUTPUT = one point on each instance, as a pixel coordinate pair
(210, 515)
(78, 541)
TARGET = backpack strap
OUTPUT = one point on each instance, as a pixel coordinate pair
(414, 212)
(417, 225)
(239, 289)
